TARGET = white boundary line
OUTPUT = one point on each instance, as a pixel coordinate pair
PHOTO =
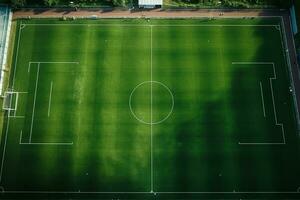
(262, 99)
(40, 192)
(118, 192)
(50, 95)
(273, 100)
(72, 192)
(236, 192)
(161, 25)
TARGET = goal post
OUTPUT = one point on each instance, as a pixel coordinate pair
(10, 101)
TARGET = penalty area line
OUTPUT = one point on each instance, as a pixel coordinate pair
(42, 143)
(262, 98)
(273, 101)
(50, 97)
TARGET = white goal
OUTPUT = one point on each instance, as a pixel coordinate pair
(10, 101)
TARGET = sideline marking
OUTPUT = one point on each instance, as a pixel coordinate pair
(262, 98)
(50, 95)
(164, 25)
(77, 192)
(151, 128)
(273, 100)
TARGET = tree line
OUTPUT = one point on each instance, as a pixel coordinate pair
(122, 3)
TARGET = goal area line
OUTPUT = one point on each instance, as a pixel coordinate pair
(41, 143)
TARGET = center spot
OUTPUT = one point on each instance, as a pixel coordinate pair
(151, 102)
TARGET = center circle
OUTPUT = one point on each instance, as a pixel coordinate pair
(151, 102)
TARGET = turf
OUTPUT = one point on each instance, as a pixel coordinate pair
(143, 106)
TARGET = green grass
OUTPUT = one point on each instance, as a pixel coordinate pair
(214, 105)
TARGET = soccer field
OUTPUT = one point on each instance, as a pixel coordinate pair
(138, 108)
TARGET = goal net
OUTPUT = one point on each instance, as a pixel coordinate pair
(10, 101)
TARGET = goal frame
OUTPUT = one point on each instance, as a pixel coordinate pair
(10, 96)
